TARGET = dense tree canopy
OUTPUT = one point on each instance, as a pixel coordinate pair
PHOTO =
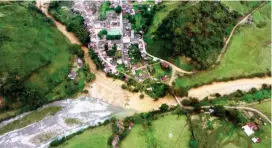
(197, 30)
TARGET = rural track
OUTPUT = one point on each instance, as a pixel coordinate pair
(242, 21)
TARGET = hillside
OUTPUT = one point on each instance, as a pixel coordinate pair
(247, 54)
(35, 57)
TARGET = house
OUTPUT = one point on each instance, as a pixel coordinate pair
(256, 140)
(165, 77)
(250, 128)
(164, 65)
(72, 75)
(79, 63)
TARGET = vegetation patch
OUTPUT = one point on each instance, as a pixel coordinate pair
(31, 67)
(34, 116)
(214, 132)
(264, 107)
(249, 43)
(72, 121)
(167, 131)
(243, 7)
(94, 137)
(201, 37)
(61, 11)
(103, 10)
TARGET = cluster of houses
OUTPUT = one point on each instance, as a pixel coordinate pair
(115, 24)
(250, 129)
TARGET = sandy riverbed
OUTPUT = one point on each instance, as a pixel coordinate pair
(228, 87)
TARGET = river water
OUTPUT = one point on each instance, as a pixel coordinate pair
(89, 111)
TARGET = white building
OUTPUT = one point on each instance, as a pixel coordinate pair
(248, 130)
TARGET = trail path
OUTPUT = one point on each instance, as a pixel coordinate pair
(243, 20)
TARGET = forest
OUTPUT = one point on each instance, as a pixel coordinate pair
(196, 30)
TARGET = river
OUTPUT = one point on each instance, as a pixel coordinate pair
(89, 111)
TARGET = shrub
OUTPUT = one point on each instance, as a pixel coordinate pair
(164, 108)
(124, 86)
(186, 102)
(141, 96)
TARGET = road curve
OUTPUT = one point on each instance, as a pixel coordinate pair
(172, 65)
(250, 109)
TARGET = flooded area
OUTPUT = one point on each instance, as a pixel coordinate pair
(88, 111)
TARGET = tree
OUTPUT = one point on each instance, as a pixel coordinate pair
(219, 111)
(164, 108)
(186, 102)
(102, 32)
(118, 9)
(258, 96)
(180, 91)
(193, 143)
(124, 86)
(141, 96)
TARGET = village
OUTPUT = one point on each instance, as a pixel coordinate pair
(116, 43)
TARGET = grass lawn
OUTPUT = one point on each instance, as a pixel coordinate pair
(224, 134)
(264, 107)
(93, 138)
(242, 7)
(34, 116)
(247, 54)
(167, 131)
(158, 72)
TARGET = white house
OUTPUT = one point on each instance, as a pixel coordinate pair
(248, 130)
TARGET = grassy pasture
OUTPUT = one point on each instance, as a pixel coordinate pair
(264, 107)
(224, 134)
(167, 131)
(248, 52)
(243, 7)
(92, 138)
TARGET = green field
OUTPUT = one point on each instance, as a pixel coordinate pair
(264, 107)
(224, 134)
(243, 7)
(34, 116)
(92, 138)
(247, 54)
(167, 131)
